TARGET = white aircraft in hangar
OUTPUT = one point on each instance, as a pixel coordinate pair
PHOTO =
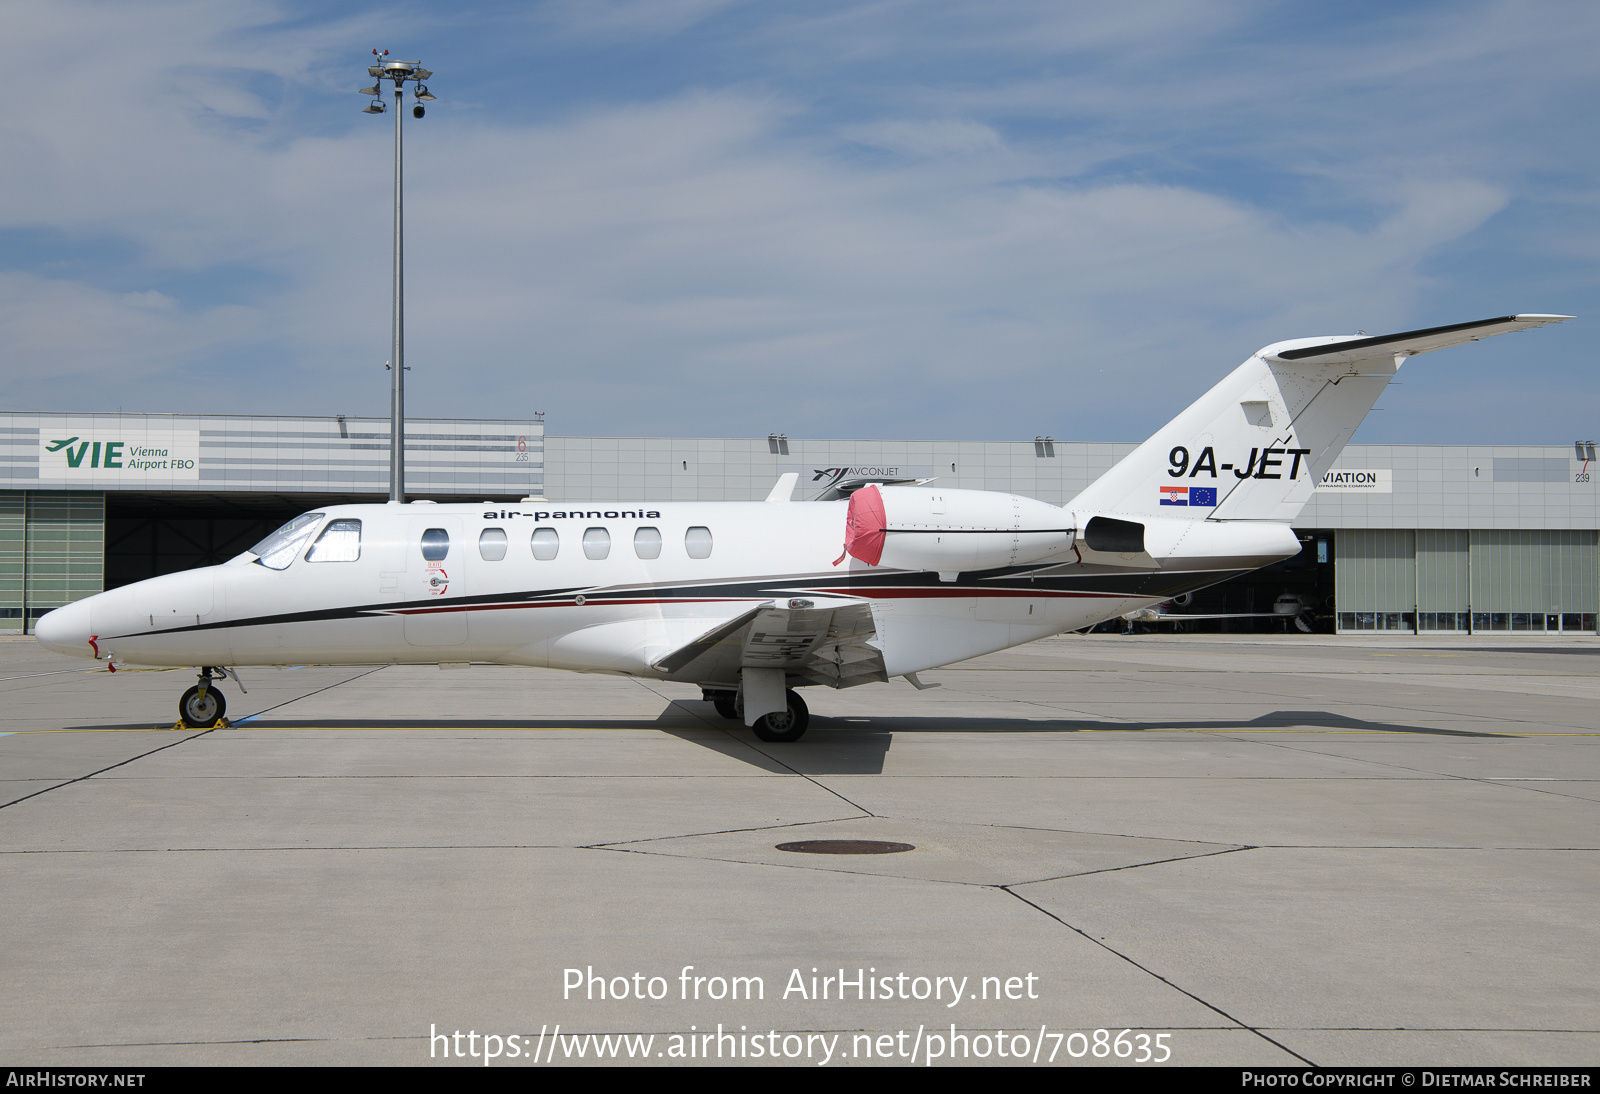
(751, 600)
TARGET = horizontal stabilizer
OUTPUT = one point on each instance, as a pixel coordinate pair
(1406, 343)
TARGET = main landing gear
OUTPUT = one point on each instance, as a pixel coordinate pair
(784, 725)
(202, 706)
(726, 702)
(779, 726)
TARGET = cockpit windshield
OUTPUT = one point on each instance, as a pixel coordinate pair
(278, 550)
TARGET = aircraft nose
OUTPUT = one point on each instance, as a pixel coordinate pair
(66, 630)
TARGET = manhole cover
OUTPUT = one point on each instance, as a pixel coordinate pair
(846, 847)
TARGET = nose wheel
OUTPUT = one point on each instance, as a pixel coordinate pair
(202, 706)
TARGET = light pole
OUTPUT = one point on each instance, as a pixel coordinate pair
(399, 72)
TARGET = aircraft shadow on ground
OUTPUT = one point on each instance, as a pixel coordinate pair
(1278, 719)
(854, 752)
(858, 746)
(836, 746)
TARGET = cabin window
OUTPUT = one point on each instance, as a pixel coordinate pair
(492, 544)
(647, 543)
(596, 543)
(435, 544)
(340, 541)
(697, 541)
(546, 542)
(280, 548)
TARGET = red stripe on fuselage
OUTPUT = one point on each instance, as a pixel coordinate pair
(891, 593)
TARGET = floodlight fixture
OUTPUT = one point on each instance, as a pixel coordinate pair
(399, 73)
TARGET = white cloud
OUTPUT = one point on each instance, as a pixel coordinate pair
(713, 262)
(629, 19)
(66, 332)
(939, 137)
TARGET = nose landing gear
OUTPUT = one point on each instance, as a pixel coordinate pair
(202, 706)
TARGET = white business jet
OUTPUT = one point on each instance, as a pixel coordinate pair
(751, 600)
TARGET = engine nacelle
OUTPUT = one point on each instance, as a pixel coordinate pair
(957, 530)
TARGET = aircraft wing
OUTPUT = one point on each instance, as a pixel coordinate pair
(822, 639)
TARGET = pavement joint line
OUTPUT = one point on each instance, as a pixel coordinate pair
(1410, 847)
(1133, 865)
(749, 744)
(1386, 779)
(309, 694)
(32, 675)
(1223, 730)
(843, 867)
(303, 847)
(1502, 781)
(775, 759)
(809, 866)
(627, 844)
(142, 755)
(1089, 832)
(1151, 972)
(1424, 1029)
(235, 1041)
(92, 774)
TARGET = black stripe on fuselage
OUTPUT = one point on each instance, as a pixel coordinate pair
(895, 585)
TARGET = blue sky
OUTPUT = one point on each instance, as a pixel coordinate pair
(899, 219)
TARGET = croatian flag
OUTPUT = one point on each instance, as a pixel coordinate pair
(1174, 495)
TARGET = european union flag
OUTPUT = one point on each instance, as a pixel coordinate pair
(1202, 495)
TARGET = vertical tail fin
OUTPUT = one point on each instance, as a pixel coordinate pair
(1256, 445)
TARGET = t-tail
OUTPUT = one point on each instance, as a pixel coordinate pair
(1255, 446)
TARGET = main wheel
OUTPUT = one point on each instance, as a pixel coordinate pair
(784, 725)
(726, 706)
(198, 713)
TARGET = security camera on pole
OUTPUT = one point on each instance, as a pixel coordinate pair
(399, 72)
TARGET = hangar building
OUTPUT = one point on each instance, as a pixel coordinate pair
(1409, 538)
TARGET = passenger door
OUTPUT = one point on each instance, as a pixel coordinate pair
(434, 581)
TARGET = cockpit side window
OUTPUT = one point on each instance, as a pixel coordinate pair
(280, 548)
(340, 541)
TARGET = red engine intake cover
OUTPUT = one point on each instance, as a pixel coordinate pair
(864, 525)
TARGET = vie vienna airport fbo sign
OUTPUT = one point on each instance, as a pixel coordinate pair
(102, 457)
